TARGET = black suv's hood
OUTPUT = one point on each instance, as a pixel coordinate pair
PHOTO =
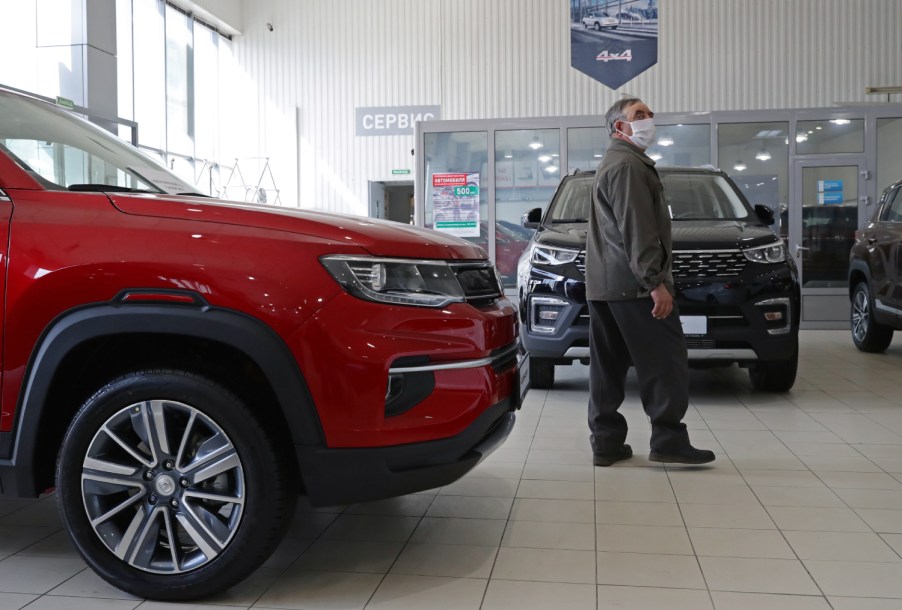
(687, 235)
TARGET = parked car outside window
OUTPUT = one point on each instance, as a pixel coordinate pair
(737, 291)
(599, 20)
(875, 275)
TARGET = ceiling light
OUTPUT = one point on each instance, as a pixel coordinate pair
(763, 155)
(598, 156)
(544, 158)
(551, 169)
(508, 156)
(655, 156)
(535, 144)
(840, 121)
(665, 141)
(740, 166)
(801, 137)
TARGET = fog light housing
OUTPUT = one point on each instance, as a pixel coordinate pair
(545, 313)
(777, 315)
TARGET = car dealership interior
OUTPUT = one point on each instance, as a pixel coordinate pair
(371, 136)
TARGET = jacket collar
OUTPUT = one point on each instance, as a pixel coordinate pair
(618, 144)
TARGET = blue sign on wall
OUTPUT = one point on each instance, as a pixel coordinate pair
(613, 41)
(829, 192)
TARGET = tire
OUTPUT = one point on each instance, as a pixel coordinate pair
(541, 374)
(161, 456)
(776, 375)
(867, 334)
(597, 27)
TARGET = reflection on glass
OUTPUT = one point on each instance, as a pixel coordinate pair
(756, 155)
(527, 171)
(829, 221)
(585, 147)
(829, 136)
(463, 153)
(889, 151)
(681, 145)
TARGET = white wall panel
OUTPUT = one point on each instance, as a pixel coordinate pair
(511, 59)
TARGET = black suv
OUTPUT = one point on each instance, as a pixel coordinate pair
(875, 275)
(737, 290)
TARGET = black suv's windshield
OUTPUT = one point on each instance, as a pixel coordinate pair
(689, 196)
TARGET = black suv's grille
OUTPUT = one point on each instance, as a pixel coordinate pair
(694, 263)
(581, 262)
(479, 283)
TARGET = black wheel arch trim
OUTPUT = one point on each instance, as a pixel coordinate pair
(72, 328)
(858, 266)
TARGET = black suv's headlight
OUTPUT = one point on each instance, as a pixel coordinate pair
(547, 255)
(426, 283)
(771, 253)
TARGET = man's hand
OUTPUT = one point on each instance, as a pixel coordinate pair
(663, 302)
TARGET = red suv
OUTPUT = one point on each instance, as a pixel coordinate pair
(179, 368)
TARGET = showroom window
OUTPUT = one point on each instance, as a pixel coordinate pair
(585, 147)
(168, 72)
(830, 136)
(681, 145)
(456, 193)
(889, 151)
(756, 156)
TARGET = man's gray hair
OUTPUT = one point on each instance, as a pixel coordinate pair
(617, 112)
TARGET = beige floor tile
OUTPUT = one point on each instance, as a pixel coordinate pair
(546, 565)
(403, 506)
(817, 519)
(881, 520)
(369, 556)
(822, 449)
(797, 496)
(55, 545)
(557, 490)
(643, 539)
(15, 601)
(845, 546)
(700, 492)
(41, 513)
(893, 465)
(48, 602)
(634, 491)
(497, 470)
(303, 590)
(716, 542)
(638, 513)
(782, 478)
(895, 541)
(550, 535)
(839, 464)
(403, 592)
(453, 560)
(652, 598)
(559, 472)
(560, 511)
(857, 578)
(482, 487)
(310, 525)
(525, 595)
(459, 531)
(756, 601)
(504, 454)
(736, 516)
(644, 570)
(863, 603)
(17, 538)
(88, 584)
(467, 507)
(859, 480)
(36, 574)
(287, 552)
(871, 498)
(757, 575)
(579, 457)
(371, 527)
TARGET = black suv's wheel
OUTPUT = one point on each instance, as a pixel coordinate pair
(169, 487)
(776, 375)
(541, 373)
(867, 334)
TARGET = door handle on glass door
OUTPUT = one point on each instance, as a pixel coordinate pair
(799, 250)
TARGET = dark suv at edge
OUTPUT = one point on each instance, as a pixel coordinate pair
(737, 290)
(875, 275)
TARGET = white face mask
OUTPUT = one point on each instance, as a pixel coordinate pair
(643, 133)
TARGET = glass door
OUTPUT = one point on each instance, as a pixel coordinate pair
(830, 204)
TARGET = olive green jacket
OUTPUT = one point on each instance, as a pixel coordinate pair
(629, 250)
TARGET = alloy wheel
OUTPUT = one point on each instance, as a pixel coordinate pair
(861, 314)
(163, 487)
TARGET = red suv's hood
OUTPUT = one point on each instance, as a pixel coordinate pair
(379, 237)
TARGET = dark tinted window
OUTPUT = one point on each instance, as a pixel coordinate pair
(892, 209)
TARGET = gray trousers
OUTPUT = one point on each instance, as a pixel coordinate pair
(625, 333)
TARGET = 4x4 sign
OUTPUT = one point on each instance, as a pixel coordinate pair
(615, 46)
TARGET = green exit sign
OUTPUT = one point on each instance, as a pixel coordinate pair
(400, 172)
(65, 103)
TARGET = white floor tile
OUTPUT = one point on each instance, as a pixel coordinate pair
(716, 542)
(857, 578)
(546, 565)
(756, 601)
(403, 592)
(757, 575)
(454, 560)
(846, 546)
(645, 570)
(652, 598)
(526, 595)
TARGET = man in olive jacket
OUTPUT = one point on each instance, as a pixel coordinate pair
(629, 288)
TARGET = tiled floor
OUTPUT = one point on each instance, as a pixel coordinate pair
(801, 510)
